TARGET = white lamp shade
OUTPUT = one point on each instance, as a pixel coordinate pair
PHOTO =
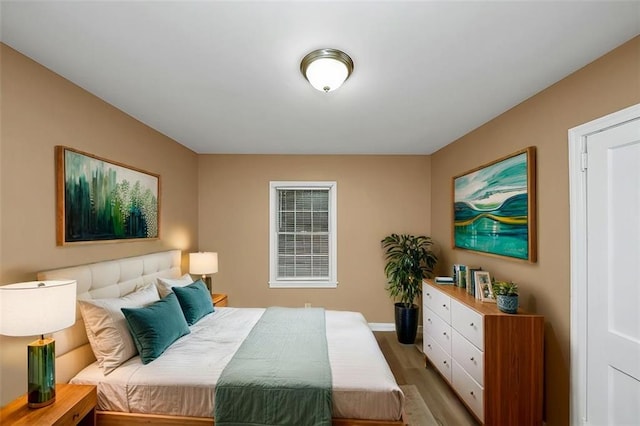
(37, 307)
(327, 74)
(203, 263)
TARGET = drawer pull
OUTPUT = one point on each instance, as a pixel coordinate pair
(472, 359)
(429, 345)
(472, 394)
(429, 294)
(444, 333)
(75, 416)
(444, 305)
(444, 362)
(428, 319)
(471, 325)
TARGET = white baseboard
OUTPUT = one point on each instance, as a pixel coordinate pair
(382, 326)
(387, 326)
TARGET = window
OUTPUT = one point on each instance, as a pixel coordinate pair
(303, 234)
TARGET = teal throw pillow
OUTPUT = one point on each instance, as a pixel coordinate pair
(195, 301)
(155, 327)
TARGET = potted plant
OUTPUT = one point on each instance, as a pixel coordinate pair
(409, 260)
(506, 293)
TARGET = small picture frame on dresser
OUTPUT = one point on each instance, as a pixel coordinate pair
(484, 291)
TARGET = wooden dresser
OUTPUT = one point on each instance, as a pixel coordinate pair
(493, 361)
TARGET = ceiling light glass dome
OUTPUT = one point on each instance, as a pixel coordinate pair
(326, 69)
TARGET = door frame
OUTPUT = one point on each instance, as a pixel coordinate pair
(578, 244)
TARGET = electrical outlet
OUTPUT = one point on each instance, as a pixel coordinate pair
(307, 305)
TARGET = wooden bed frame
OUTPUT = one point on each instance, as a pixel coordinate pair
(111, 418)
(116, 278)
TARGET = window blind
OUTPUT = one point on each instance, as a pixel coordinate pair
(303, 233)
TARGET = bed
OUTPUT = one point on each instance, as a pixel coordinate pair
(179, 389)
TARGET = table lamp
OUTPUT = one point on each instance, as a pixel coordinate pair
(32, 308)
(203, 264)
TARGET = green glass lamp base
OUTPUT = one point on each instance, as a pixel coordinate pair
(42, 373)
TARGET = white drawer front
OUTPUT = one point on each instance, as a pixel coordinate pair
(437, 301)
(470, 391)
(435, 327)
(438, 357)
(468, 323)
(468, 356)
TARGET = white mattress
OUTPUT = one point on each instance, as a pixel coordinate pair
(182, 380)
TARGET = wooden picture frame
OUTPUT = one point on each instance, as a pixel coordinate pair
(484, 290)
(494, 207)
(99, 200)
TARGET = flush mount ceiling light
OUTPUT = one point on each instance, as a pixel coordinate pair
(326, 69)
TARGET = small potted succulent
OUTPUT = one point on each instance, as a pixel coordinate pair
(506, 293)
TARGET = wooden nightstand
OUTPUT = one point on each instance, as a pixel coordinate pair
(74, 405)
(219, 299)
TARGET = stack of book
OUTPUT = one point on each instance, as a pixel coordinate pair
(444, 280)
(460, 275)
(471, 280)
(464, 277)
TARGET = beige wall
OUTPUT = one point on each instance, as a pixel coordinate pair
(377, 195)
(609, 84)
(40, 110)
(222, 200)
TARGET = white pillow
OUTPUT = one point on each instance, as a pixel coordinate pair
(107, 328)
(165, 284)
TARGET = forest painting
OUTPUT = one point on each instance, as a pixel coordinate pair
(99, 200)
(494, 207)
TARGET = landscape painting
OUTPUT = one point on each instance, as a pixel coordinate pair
(100, 200)
(494, 207)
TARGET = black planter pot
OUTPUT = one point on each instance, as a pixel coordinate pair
(407, 323)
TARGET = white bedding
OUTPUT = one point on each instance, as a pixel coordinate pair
(182, 381)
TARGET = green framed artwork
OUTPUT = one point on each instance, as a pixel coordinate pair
(100, 200)
(494, 207)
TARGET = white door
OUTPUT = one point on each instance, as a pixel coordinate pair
(613, 271)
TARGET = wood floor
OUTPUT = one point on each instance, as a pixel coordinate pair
(408, 366)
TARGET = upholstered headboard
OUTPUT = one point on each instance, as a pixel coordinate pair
(112, 278)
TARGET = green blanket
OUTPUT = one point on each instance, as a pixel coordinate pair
(280, 375)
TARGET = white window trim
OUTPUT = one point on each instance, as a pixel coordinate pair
(332, 282)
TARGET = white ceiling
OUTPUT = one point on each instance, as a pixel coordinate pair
(223, 77)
